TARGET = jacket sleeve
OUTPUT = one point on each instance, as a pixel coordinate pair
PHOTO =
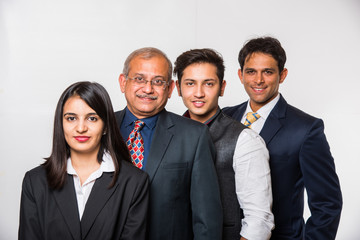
(136, 221)
(321, 183)
(205, 194)
(29, 227)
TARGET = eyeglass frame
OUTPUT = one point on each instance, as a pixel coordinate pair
(164, 82)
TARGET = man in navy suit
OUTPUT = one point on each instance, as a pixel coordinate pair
(300, 155)
(178, 153)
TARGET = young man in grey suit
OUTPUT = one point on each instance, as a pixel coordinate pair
(176, 152)
(242, 160)
(299, 152)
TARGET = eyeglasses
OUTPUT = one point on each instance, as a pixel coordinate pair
(156, 82)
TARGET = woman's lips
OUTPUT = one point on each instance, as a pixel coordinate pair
(82, 138)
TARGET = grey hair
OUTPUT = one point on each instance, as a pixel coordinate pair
(146, 53)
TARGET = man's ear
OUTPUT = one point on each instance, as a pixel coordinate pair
(222, 89)
(122, 82)
(171, 88)
(283, 75)
(178, 88)
(240, 75)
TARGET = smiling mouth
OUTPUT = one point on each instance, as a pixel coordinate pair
(258, 89)
(82, 138)
(198, 103)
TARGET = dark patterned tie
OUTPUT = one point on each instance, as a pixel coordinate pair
(135, 144)
(250, 118)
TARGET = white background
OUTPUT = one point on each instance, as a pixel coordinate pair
(47, 45)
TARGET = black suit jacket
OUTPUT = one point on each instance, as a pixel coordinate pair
(299, 157)
(184, 194)
(116, 213)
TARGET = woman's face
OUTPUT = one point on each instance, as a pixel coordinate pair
(83, 128)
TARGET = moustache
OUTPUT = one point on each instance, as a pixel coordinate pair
(146, 96)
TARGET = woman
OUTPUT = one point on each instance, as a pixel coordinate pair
(87, 188)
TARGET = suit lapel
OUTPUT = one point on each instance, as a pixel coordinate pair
(120, 117)
(240, 113)
(161, 139)
(273, 121)
(67, 203)
(99, 196)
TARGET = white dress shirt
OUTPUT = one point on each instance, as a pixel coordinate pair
(253, 185)
(263, 112)
(83, 191)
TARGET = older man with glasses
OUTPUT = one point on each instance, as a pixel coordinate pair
(176, 152)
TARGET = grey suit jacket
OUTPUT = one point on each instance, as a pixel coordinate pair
(225, 132)
(184, 194)
(116, 213)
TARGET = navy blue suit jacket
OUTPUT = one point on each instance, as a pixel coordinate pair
(299, 157)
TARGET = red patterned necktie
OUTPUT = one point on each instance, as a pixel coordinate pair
(135, 144)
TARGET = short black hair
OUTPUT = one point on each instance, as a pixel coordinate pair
(266, 45)
(205, 55)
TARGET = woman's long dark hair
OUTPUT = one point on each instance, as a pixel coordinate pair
(98, 99)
